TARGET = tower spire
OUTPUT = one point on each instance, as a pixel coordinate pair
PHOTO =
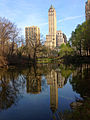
(51, 6)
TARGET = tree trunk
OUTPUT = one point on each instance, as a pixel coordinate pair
(80, 53)
(34, 57)
(29, 58)
(80, 48)
(87, 52)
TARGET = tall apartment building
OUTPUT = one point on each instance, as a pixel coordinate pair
(87, 10)
(60, 39)
(32, 33)
(54, 38)
(51, 38)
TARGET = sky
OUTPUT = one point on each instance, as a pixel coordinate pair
(23, 13)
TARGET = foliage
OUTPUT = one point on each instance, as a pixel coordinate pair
(80, 38)
(66, 50)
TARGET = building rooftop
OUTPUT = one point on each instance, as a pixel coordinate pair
(31, 26)
(51, 7)
(59, 31)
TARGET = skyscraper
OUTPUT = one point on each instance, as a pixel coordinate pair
(54, 38)
(87, 10)
(32, 33)
(51, 38)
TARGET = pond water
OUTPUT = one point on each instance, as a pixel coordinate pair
(42, 92)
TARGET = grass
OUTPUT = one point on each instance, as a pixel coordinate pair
(44, 60)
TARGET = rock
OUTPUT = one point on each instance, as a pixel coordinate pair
(74, 105)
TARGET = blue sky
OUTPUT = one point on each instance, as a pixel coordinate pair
(35, 12)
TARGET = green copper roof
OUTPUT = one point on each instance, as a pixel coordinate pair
(52, 7)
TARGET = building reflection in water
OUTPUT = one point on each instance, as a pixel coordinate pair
(12, 84)
(33, 80)
(55, 80)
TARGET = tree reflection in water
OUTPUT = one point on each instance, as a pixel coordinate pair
(35, 79)
(10, 85)
(81, 80)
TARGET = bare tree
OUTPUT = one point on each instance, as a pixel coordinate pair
(34, 44)
(8, 35)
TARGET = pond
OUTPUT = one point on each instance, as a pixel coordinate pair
(42, 92)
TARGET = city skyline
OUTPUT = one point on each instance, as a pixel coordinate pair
(27, 13)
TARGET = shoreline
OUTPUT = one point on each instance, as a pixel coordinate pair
(65, 60)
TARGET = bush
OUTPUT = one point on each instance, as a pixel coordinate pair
(66, 50)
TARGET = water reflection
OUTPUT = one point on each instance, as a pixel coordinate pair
(55, 80)
(10, 86)
(33, 79)
(81, 80)
(15, 84)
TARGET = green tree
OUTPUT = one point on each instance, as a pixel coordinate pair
(86, 34)
(65, 50)
(80, 38)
